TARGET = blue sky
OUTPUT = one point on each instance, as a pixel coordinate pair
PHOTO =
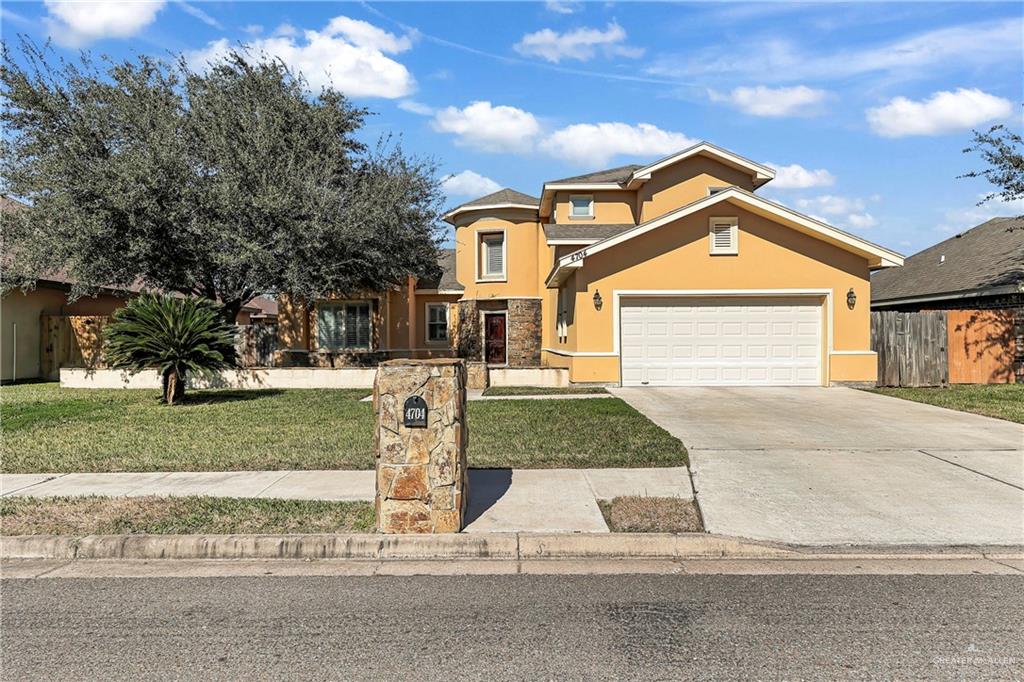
(863, 107)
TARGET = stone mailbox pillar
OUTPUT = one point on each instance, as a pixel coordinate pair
(421, 441)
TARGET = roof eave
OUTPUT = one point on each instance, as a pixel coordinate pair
(877, 256)
(450, 215)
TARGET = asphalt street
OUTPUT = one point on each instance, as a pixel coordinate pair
(515, 627)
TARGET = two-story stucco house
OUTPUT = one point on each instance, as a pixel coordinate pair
(667, 274)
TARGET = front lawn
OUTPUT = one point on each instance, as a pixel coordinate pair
(1003, 401)
(180, 515)
(45, 428)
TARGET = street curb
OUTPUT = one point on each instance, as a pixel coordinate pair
(508, 546)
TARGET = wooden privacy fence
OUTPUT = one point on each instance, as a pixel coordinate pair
(936, 348)
(71, 341)
(256, 344)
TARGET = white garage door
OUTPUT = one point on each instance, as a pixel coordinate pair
(721, 342)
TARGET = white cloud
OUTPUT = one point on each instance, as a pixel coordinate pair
(414, 107)
(348, 54)
(960, 219)
(830, 204)
(253, 29)
(943, 112)
(490, 128)
(199, 14)
(595, 144)
(764, 101)
(980, 43)
(861, 221)
(795, 176)
(838, 210)
(561, 7)
(468, 184)
(581, 44)
(74, 24)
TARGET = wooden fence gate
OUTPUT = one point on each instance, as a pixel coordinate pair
(911, 347)
(256, 344)
(71, 341)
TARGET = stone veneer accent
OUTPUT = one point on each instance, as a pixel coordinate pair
(422, 473)
(523, 331)
(477, 375)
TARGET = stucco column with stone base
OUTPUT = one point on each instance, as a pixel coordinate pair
(421, 471)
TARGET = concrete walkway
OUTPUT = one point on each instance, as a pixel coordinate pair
(822, 466)
(500, 500)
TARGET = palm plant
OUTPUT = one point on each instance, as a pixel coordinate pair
(172, 335)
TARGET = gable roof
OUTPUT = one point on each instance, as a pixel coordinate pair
(503, 198)
(988, 258)
(619, 174)
(446, 280)
(633, 176)
(877, 256)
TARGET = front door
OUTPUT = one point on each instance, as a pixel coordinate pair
(494, 338)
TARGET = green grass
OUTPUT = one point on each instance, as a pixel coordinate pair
(45, 428)
(1003, 401)
(544, 390)
(182, 515)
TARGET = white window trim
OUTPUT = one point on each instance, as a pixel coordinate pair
(426, 323)
(587, 216)
(344, 303)
(734, 236)
(479, 238)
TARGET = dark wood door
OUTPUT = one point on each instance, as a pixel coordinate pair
(494, 339)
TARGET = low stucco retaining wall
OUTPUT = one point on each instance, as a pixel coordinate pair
(549, 377)
(291, 377)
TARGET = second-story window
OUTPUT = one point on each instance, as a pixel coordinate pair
(492, 255)
(581, 206)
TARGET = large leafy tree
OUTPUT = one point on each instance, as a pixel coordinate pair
(222, 182)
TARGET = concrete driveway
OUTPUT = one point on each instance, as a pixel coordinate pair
(824, 466)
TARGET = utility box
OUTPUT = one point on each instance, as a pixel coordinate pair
(421, 440)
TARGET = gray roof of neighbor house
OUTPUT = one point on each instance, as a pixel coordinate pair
(447, 281)
(987, 257)
(502, 196)
(619, 174)
(584, 231)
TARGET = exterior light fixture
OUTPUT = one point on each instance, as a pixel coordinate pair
(851, 299)
(597, 300)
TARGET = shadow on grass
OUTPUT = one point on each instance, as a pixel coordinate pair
(216, 396)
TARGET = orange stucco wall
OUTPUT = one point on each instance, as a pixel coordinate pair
(523, 237)
(685, 182)
(610, 206)
(676, 257)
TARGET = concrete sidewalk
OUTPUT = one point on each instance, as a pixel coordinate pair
(501, 500)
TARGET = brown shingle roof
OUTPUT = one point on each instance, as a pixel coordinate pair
(984, 257)
(502, 196)
(585, 231)
(447, 281)
(620, 174)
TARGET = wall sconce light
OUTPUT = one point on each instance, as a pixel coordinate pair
(597, 300)
(851, 299)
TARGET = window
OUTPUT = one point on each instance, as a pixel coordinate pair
(492, 255)
(343, 326)
(581, 206)
(723, 236)
(437, 322)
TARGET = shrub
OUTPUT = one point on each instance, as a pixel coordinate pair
(173, 335)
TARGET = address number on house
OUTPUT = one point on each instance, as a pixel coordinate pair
(578, 255)
(415, 412)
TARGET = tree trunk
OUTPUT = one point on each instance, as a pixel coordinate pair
(173, 386)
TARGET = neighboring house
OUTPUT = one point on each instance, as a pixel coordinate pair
(671, 273)
(981, 269)
(410, 321)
